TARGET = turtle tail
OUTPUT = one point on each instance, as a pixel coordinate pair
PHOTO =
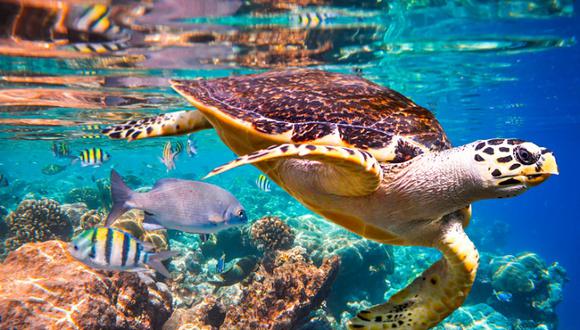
(166, 124)
(432, 296)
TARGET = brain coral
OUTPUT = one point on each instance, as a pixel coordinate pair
(271, 233)
(37, 221)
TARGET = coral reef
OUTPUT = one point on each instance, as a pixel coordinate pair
(475, 317)
(89, 219)
(42, 286)
(37, 221)
(74, 212)
(534, 288)
(86, 195)
(209, 312)
(280, 295)
(366, 265)
(271, 233)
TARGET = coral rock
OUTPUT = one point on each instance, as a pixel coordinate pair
(476, 317)
(283, 297)
(209, 314)
(37, 221)
(42, 286)
(271, 233)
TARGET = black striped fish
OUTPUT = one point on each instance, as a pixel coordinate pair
(178, 148)
(312, 19)
(263, 183)
(112, 249)
(97, 19)
(92, 127)
(93, 157)
(91, 136)
(60, 149)
(98, 47)
(168, 157)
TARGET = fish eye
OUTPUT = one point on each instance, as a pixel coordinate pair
(524, 156)
(75, 247)
(241, 213)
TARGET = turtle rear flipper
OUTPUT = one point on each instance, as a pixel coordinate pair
(347, 171)
(173, 123)
(434, 294)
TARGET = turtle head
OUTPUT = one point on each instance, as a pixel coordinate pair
(508, 167)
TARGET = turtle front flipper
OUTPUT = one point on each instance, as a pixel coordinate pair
(359, 172)
(173, 123)
(436, 293)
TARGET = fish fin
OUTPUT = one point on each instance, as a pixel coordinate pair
(120, 194)
(164, 181)
(149, 222)
(155, 261)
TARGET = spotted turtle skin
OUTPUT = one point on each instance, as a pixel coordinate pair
(312, 104)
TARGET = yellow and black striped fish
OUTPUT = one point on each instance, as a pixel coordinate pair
(112, 249)
(91, 136)
(312, 19)
(60, 149)
(99, 47)
(97, 19)
(92, 127)
(93, 157)
(178, 148)
(263, 183)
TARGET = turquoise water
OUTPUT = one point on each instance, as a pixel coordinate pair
(486, 69)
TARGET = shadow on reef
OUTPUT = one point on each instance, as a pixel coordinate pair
(288, 272)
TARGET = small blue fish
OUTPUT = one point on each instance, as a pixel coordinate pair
(219, 268)
(263, 183)
(503, 296)
(191, 147)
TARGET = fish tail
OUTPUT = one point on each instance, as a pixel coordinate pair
(155, 259)
(120, 194)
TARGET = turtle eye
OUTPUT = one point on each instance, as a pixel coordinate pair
(525, 157)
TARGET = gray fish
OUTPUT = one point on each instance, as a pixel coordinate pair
(190, 206)
(238, 272)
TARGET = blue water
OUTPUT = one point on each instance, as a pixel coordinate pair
(497, 69)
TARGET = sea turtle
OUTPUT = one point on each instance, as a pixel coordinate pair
(368, 159)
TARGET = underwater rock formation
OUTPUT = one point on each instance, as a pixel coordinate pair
(271, 234)
(37, 221)
(283, 292)
(280, 295)
(365, 265)
(521, 287)
(74, 212)
(89, 219)
(86, 195)
(475, 317)
(210, 312)
(42, 286)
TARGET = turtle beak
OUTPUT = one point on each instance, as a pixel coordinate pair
(546, 167)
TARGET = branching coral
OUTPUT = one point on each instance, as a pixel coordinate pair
(37, 221)
(271, 233)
